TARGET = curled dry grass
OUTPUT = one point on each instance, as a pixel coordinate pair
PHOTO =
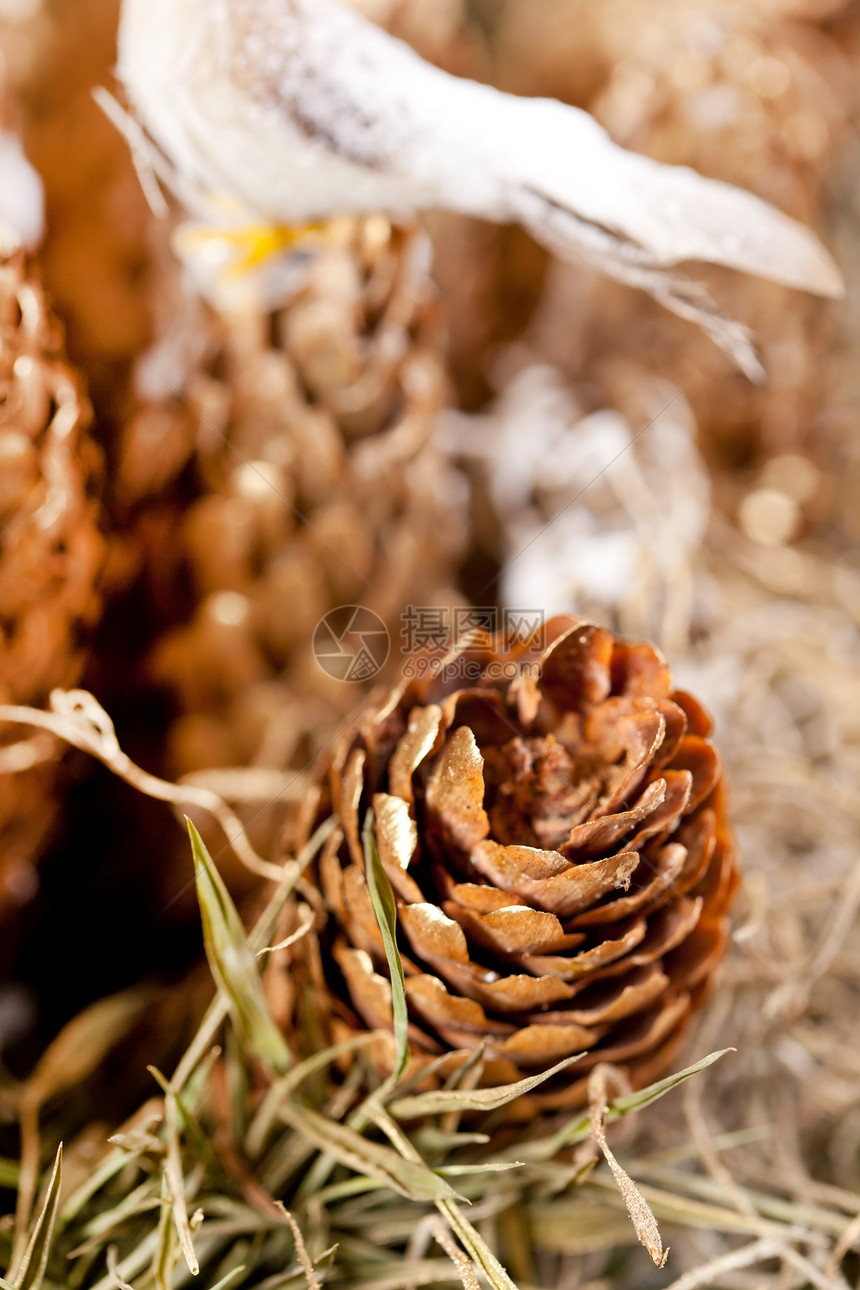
(251, 1168)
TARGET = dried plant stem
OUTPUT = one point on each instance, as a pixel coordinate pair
(755, 1252)
(808, 1270)
(641, 1214)
(302, 1255)
(710, 1157)
(80, 720)
(847, 1241)
(113, 1270)
(456, 1255)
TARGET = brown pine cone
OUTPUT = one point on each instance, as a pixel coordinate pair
(553, 824)
(306, 436)
(51, 554)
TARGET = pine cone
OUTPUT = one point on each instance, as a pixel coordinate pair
(296, 474)
(553, 823)
(51, 554)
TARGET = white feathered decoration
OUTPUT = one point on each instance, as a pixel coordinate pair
(297, 110)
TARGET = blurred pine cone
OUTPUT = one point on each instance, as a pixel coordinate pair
(94, 259)
(51, 554)
(553, 823)
(295, 473)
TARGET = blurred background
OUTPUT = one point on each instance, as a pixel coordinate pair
(471, 422)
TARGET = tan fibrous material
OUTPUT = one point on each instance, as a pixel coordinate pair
(314, 483)
(553, 824)
(51, 553)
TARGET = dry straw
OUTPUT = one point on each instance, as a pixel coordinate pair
(363, 1172)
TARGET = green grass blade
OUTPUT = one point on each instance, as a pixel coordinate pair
(382, 898)
(653, 1093)
(578, 1129)
(35, 1260)
(296, 1280)
(481, 1099)
(371, 1159)
(492, 1167)
(164, 1254)
(233, 963)
(281, 1089)
(476, 1247)
(230, 1278)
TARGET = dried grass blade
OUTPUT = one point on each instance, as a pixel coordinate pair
(763, 1205)
(480, 1253)
(433, 1273)
(709, 1272)
(306, 923)
(137, 1263)
(196, 1135)
(283, 1088)
(641, 1214)
(689, 1212)
(128, 1146)
(35, 1260)
(113, 1270)
(465, 1269)
(139, 1201)
(412, 1180)
(233, 963)
(848, 1241)
(297, 1280)
(432, 1139)
(176, 1182)
(807, 1269)
(493, 1167)
(482, 1099)
(302, 1255)
(382, 898)
(164, 1258)
(230, 1278)
(578, 1129)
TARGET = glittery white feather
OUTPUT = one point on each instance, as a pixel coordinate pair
(296, 110)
